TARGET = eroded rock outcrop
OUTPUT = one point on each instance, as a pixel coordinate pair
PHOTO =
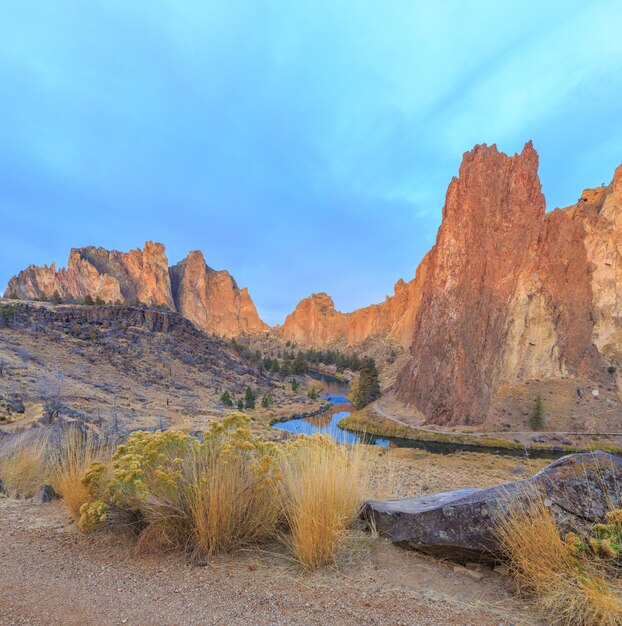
(315, 321)
(511, 293)
(211, 299)
(208, 298)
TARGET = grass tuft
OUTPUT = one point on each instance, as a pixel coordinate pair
(323, 489)
(23, 466)
(73, 455)
(568, 587)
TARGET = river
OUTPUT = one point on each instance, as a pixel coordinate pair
(336, 392)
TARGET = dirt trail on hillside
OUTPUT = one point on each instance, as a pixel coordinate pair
(50, 574)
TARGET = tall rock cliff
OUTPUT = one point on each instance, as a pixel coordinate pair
(512, 293)
(210, 299)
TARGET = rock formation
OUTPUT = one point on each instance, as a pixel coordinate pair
(462, 525)
(315, 321)
(210, 299)
(511, 293)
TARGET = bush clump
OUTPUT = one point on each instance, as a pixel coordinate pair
(230, 490)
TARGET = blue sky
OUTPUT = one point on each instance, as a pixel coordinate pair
(303, 146)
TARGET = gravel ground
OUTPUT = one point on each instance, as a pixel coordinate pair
(50, 574)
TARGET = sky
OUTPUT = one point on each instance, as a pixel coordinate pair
(303, 146)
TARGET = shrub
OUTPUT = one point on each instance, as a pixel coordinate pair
(181, 493)
(88, 300)
(567, 585)
(23, 466)
(266, 401)
(605, 540)
(56, 299)
(295, 385)
(226, 399)
(323, 489)
(240, 404)
(229, 491)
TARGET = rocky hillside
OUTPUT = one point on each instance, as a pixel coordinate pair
(208, 298)
(511, 294)
(142, 367)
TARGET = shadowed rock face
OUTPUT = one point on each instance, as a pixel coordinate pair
(208, 298)
(461, 525)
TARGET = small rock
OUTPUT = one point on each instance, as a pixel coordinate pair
(458, 569)
(595, 393)
(474, 567)
(45, 494)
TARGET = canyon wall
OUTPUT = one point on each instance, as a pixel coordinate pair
(511, 293)
(209, 299)
(316, 323)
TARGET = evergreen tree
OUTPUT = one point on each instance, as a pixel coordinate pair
(226, 399)
(249, 398)
(88, 300)
(240, 404)
(366, 388)
(266, 401)
(56, 299)
(536, 421)
(295, 385)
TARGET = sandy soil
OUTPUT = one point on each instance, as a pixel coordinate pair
(52, 575)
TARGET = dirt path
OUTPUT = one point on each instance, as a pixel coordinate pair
(519, 433)
(50, 574)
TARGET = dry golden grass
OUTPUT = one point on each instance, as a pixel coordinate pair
(569, 589)
(23, 466)
(72, 456)
(232, 503)
(323, 488)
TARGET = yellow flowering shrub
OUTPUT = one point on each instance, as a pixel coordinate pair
(228, 490)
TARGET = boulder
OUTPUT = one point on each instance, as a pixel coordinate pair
(461, 525)
(45, 494)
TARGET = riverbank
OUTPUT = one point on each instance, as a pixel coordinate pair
(369, 421)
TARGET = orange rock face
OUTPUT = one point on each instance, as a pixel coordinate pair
(210, 299)
(511, 293)
(316, 323)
